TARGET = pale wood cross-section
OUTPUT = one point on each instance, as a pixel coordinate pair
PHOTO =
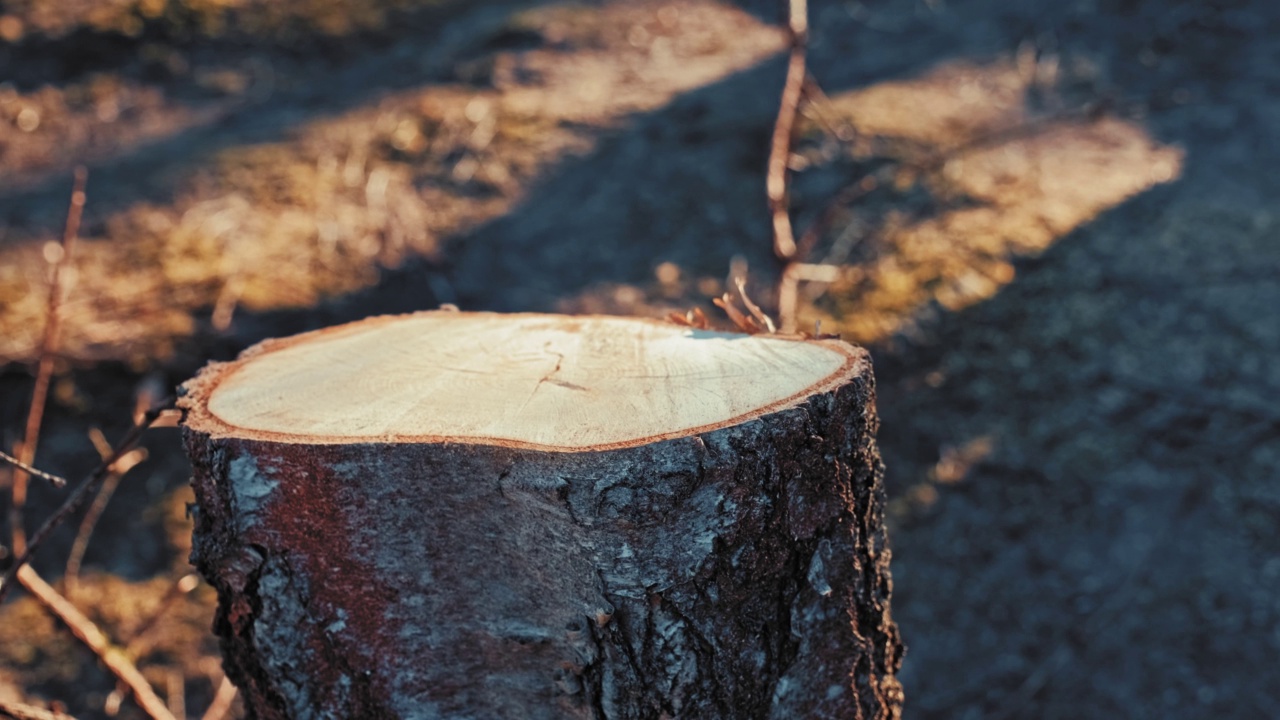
(534, 381)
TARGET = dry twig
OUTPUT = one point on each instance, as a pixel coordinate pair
(81, 493)
(745, 323)
(175, 690)
(116, 660)
(118, 469)
(793, 255)
(695, 319)
(789, 286)
(784, 243)
(144, 636)
(740, 283)
(221, 704)
(26, 452)
(88, 633)
(55, 480)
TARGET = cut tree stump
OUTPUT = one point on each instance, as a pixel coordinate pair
(469, 515)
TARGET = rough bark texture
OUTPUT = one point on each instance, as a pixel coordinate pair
(737, 573)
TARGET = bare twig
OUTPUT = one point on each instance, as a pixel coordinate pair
(743, 322)
(695, 319)
(784, 243)
(126, 463)
(785, 247)
(88, 633)
(224, 307)
(84, 629)
(26, 452)
(20, 711)
(144, 637)
(55, 480)
(221, 704)
(741, 283)
(81, 493)
(71, 575)
(788, 288)
(176, 691)
(111, 706)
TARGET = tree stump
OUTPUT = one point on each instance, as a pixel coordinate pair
(470, 515)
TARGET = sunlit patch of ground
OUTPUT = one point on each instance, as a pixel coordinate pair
(51, 128)
(105, 113)
(1006, 183)
(288, 223)
(171, 645)
(266, 19)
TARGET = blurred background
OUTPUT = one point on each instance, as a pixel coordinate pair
(1052, 222)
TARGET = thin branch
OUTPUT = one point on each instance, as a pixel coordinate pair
(26, 452)
(789, 288)
(70, 577)
(784, 243)
(22, 711)
(144, 636)
(694, 318)
(84, 629)
(744, 323)
(55, 480)
(221, 704)
(176, 691)
(81, 493)
(819, 226)
(741, 284)
(88, 633)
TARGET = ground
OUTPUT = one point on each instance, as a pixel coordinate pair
(1066, 271)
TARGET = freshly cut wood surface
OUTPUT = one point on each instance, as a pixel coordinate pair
(539, 381)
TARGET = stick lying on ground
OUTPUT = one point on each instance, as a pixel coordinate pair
(90, 635)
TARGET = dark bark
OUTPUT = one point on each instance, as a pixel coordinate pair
(740, 573)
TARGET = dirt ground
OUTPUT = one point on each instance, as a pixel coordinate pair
(1066, 271)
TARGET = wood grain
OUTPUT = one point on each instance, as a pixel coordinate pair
(534, 381)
